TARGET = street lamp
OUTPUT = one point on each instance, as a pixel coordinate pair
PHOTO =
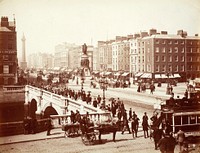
(168, 87)
(103, 84)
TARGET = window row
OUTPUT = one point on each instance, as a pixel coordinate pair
(169, 68)
(169, 41)
(169, 58)
(169, 50)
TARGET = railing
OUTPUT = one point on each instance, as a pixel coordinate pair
(62, 100)
(59, 120)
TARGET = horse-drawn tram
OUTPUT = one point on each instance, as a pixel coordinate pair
(89, 126)
(181, 114)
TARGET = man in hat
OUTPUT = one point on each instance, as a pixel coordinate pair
(125, 123)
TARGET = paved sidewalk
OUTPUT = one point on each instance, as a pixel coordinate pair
(55, 133)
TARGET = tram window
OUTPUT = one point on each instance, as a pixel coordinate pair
(192, 119)
(198, 119)
(177, 120)
(184, 119)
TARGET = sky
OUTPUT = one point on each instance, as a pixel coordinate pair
(47, 23)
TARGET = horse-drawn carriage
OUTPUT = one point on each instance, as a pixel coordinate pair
(105, 126)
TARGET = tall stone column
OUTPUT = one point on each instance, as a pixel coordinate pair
(23, 62)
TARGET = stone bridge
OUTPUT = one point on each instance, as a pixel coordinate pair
(44, 103)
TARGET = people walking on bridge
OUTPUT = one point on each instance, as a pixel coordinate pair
(145, 125)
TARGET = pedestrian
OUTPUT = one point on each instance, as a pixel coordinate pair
(167, 143)
(49, 126)
(95, 102)
(130, 113)
(125, 123)
(180, 139)
(99, 99)
(134, 123)
(145, 125)
(157, 135)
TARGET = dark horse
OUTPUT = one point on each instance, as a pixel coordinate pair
(109, 128)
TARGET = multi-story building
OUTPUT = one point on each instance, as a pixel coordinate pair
(192, 49)
(134, 54)
(40, 60)
(121, 53)
(61, 55)
(74, 57)
(105, 55)
(8, 52)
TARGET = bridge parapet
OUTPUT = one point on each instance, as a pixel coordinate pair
(95, 117)
(60, 103)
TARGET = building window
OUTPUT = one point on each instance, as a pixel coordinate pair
(176, 58)
(182, 59)
(157, 41)
(182, 42)
(149, 68)
(175, 49)
(176, 42)
(170, 68)
(143, 50)
(170, 50)
(163, 68)
(139, 51)
(197, 50)
(148, 50)
(157, 68)
(163, 58)
(169, 58)
(170, 42)
(6, 69)
(157, 49)
(163, 49)
(182, 67)
(176, 68)
(182, 50)
(157, 58)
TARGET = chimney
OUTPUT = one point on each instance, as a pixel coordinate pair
(164, 32)
(144, 34)
(4, 22)
(152, 32)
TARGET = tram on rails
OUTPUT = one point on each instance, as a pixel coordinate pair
(181, 114)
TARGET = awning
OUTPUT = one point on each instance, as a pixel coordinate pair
(164, 76)
(125, 74)
(146, 75)
(117, 74)
(158, 76)
(138, 74)
(177, 76)
(95, 72)
(108, 73)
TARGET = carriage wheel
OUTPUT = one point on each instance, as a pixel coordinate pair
(92, 138)
(67, 133)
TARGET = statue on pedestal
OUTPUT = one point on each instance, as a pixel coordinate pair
(85, 61)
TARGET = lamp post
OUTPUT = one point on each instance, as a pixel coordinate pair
(168, 87)
(103, 83)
